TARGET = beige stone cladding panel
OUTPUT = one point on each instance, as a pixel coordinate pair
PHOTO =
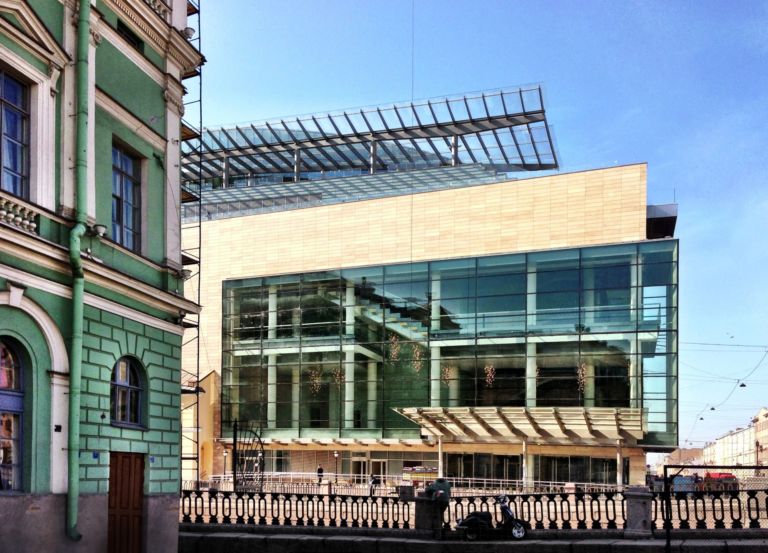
(566, 210)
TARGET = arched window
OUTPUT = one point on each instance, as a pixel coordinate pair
(11, 407)
(127, 392)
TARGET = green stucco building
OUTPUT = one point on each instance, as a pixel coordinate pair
(91, 274)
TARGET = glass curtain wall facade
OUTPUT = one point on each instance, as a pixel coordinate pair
(329, 354)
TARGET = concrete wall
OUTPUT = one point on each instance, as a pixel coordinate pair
(39, 525)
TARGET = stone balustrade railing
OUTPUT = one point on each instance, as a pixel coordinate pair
(159, 7)
(18, 214)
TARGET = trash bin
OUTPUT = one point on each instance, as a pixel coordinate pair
(405, 493)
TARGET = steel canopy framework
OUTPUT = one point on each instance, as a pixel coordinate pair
(506, 129)
(540, 425)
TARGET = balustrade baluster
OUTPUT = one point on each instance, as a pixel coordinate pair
(300, 509)
(344, 511)
(386, 508)
(717, 502)
(213, 506)
(287, 509)
(226, 507)
(595, 510)
(186, 506)
(538, 512)
(753, 509)
(333, 510)
(610, 510)
(262, 508)
(580, 506)
(274, 507)
(250, 507)
(565, 511)
(551, 511)
(735, 499)
(374, 512)
(199, 506)
(240, 507)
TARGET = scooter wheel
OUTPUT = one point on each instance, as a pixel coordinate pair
(471, 534)
(518, 531)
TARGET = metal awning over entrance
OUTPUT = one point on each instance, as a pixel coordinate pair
(539, 425)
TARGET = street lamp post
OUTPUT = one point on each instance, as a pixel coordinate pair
(336, 470)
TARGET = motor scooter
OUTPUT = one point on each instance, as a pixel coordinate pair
(479, 524)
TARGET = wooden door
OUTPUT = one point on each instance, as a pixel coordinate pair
(126, 502)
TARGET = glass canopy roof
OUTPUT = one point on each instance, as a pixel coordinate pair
(505, 130)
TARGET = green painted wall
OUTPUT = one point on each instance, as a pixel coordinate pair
(107, 338)
(52, 16)
(148, 52)
(21, 52)
(130, 86)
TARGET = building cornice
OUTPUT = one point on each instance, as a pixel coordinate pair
(53, 257)
(116, 110)
(33, 36)
(157, 32)
(39, 283)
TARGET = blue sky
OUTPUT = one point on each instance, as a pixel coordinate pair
(680, 85)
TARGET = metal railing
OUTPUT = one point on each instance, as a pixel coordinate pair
(358, 484)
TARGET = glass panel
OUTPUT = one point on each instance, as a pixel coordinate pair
(133, 415)
(13, 123)
(13, 91)
(12, 183)
(9, 369)
(10, 452)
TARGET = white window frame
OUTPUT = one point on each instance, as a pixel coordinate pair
(42, 128)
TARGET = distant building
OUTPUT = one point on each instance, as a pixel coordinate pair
(681, 456)
(743, 446)
(390, 285)
(760, 422)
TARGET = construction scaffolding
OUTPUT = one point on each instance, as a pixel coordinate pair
(191, 137)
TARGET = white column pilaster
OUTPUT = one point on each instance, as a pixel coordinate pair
(271, 391)
(349, 389)
(349, 310)
(272, 315)
(372, 393)
(434, 377)
(295, 397)
(530, 375)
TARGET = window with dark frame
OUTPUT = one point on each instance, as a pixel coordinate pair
(127, 391)
(11, 407)
(132, 38)
(126, 198)
(14, 136)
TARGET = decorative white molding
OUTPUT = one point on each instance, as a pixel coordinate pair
(59, 386)
(132, 54)
(48, 327)
(16, 294)
(33, 35)
(32, 281)
(114, 109)
(48, 255)
(42, 124)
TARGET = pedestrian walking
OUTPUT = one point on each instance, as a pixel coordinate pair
(319, 474)
(373, 481)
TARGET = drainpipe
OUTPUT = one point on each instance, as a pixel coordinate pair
(78, 277)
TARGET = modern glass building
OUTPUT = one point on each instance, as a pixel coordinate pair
(454, 316)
